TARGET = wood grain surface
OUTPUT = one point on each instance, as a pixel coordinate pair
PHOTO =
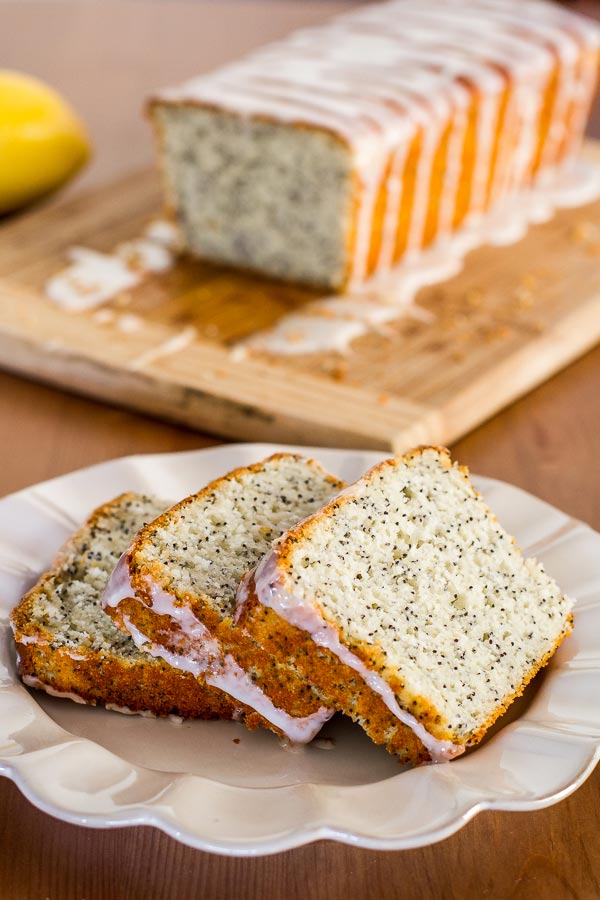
(466, 348)
(548, 443)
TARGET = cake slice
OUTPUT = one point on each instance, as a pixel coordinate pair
(327, 157)
(68, 647)
(408, 607)
(174, 590)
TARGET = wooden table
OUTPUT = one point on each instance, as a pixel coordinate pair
(105, 56)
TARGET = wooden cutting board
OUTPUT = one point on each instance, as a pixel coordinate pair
(512, 318)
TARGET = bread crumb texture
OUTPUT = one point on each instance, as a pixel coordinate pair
(425, 585)
(67, 603)
(205, 544)
(247, 195)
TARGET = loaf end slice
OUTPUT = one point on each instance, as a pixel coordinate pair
(68, 647)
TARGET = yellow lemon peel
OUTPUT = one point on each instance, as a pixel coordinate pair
(42, 141)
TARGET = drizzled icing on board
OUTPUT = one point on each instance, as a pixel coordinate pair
(93, 278)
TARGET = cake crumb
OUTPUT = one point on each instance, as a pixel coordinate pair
(500, 333)
(103, 316)
(238, 353)
(129, 323)
(530, 281)
(236, 740)
(324, 743)
(587, 235)
(585, 231)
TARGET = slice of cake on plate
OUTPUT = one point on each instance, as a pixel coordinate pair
(174, 590)
(68, 647)
(408, 607)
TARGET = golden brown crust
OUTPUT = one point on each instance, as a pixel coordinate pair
(295, 698)
(138, 685)
(340, 687)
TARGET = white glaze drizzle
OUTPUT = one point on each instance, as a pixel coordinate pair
(173, 344)
(204, 656)
(143, 255)
(273, 593)
(94, 278)
(164, 232)
(32, 681)
(90, 280)
(29, 638)
(144, 713)
(128, 323)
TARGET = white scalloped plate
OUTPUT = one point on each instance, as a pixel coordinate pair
(215, 786)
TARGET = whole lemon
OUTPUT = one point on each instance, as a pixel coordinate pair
(42, 142)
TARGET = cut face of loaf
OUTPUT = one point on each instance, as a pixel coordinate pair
(174, 590)
(68, 647)
(409, 607)
(328, 156)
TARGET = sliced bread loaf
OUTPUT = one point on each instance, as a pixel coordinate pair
(67, 646)
(408, 607)
(174, 590)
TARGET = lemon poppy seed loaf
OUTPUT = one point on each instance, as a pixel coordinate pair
(327, 157)
(408, 607)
